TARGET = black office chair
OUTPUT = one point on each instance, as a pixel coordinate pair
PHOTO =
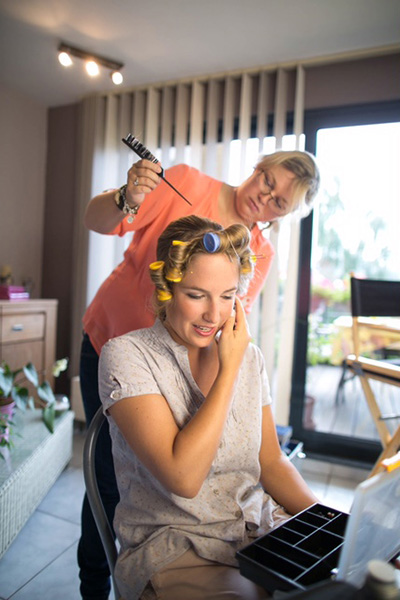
(375, 298)
(94, 497)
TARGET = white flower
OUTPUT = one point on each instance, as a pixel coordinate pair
(59, 366)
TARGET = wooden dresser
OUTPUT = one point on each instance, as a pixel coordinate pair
(28, 331)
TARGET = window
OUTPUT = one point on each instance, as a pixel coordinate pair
(353, 228)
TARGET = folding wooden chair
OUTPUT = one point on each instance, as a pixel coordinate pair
(93, 494)
(376, 298)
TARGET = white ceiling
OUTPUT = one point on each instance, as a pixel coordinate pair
(163, 40)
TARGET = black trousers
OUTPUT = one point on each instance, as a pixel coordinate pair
(93, 567)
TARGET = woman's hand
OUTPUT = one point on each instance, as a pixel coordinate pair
(103, 215)
(234, 339)
(143, 177)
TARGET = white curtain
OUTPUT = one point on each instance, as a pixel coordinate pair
(209, 124)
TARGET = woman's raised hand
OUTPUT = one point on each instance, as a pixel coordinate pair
(234, 338)
(143, 177)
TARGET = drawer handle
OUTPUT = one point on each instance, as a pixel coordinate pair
(17, 327)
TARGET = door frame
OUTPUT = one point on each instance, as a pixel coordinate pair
(333, 447)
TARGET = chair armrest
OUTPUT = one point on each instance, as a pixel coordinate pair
(376, 367)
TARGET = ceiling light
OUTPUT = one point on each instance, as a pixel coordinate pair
(65, 59)
(92, 68)
(93, 62)
(117, 78)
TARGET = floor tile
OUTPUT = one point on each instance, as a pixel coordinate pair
(354, 473)
(77, 450)
(38, 544)
(341, 493)
(319, 467)
(58, 581)
(64, 500)
(318, 483)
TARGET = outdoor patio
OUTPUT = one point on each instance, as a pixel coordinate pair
(350, 416)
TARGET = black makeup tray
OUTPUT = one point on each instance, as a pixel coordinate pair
(303, 551)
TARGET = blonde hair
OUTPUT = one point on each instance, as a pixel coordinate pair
(306, 172)
(183, 239)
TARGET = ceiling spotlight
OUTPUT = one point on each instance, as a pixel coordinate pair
(117, 78)
(65, 59)
(92, 68)
(93, 62)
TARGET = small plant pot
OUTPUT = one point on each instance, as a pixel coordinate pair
(7, 409)
(61, 404)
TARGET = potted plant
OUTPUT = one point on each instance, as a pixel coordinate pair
(14, 395)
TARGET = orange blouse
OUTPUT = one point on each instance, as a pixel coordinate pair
(123, 302)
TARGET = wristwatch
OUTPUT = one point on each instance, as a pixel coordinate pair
(120, 201)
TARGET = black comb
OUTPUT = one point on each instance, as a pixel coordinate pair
(141, 150)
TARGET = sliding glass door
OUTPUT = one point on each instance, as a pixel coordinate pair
(355, 227)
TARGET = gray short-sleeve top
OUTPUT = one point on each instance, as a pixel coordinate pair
(153, 525)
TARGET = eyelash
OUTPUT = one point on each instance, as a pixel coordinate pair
(199, 297)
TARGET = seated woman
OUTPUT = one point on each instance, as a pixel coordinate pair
(198, 464)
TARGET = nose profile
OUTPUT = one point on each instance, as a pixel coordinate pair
(211, 315)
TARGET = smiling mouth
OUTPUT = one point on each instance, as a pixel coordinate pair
(203, 330)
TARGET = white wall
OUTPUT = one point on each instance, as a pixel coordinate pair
(23, 132)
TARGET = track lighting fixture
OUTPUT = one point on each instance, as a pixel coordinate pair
(92, 62)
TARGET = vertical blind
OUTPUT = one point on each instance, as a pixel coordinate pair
(207, 123)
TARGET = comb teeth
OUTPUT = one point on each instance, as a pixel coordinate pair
(139, 148)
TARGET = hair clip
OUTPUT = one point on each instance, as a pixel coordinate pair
(178, 243)
(211, 241)
(158, 264)
(163, 295)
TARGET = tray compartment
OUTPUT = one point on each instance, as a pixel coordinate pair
(322, 511)
(286, 551)
(321, 571)
(321, 543)
(275, 562)
(313, 519)
(286, 535)
(338, 525)
(298, 526)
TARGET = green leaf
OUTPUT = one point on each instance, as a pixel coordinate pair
(46, 393)
(21, 397)
(49, 417)
(6, 381)
(31, 374)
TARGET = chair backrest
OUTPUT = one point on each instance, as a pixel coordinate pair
(93, 494)
(375, 298)
(372, 298)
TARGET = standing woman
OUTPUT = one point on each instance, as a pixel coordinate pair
(192, 430)
(282, 183)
